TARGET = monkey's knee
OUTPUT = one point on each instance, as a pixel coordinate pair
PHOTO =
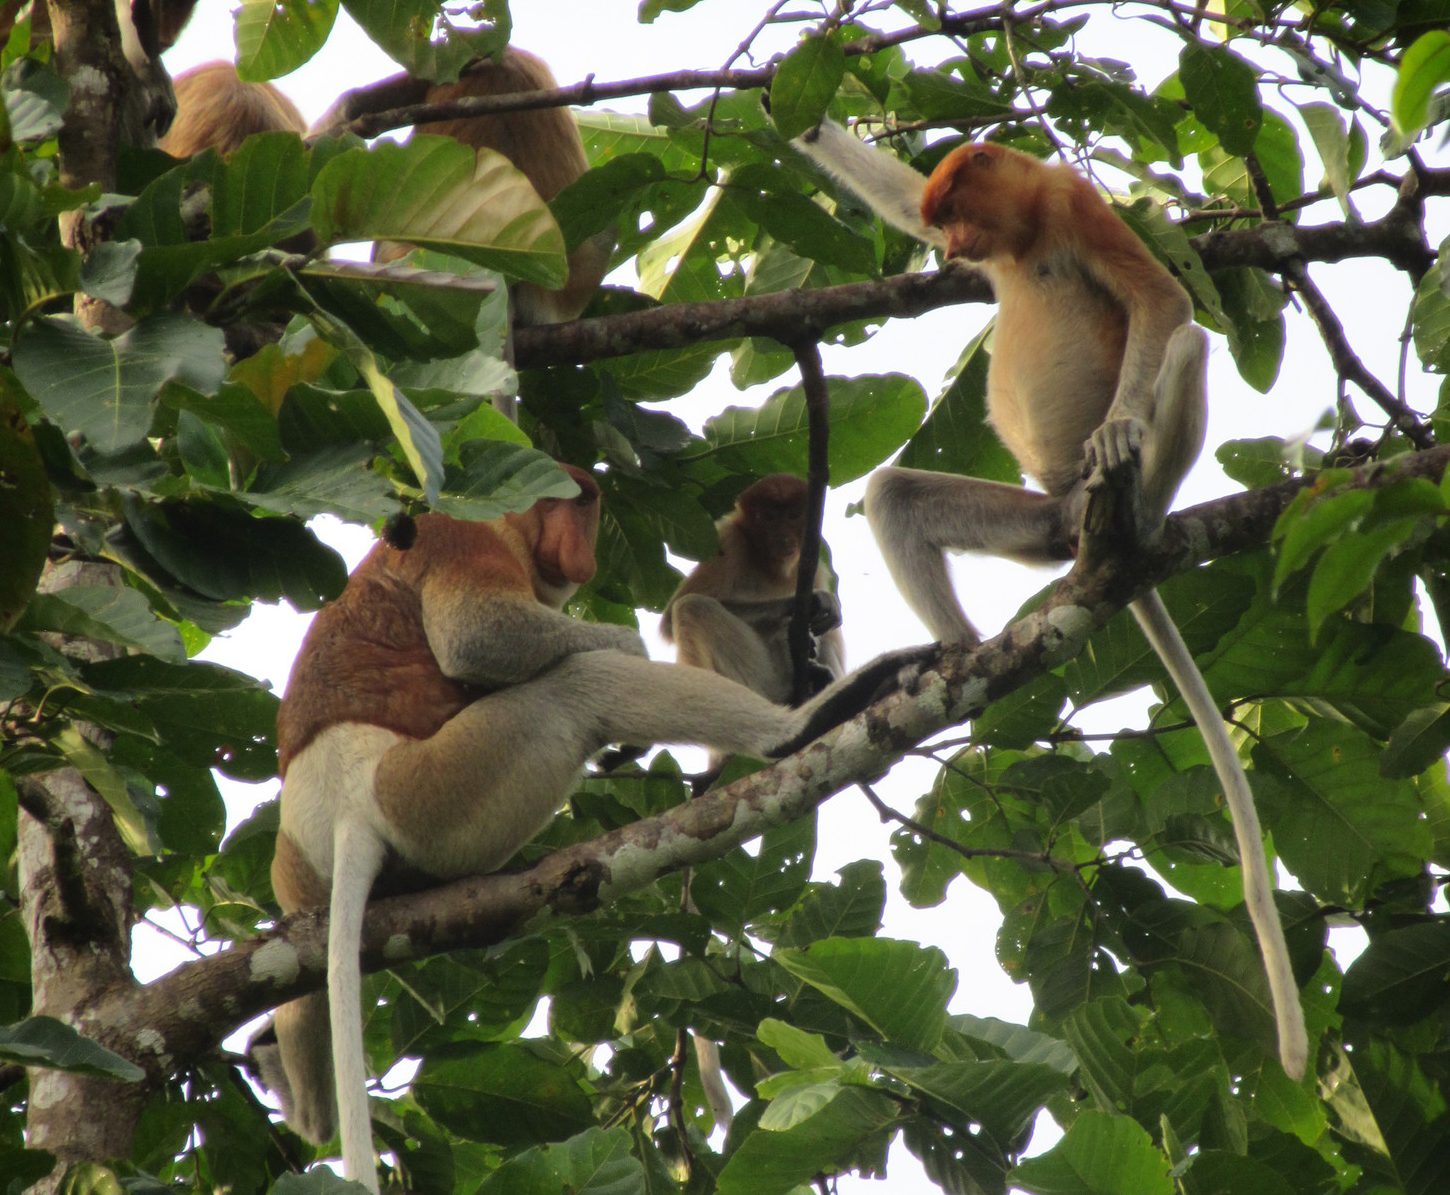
(1180, 419)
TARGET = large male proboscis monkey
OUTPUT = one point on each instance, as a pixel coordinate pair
(217, 110)
(437, 715)
(1095, 361)
(544, 143)
(732, 613)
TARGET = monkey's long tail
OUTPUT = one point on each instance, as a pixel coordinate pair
(1162, 635)
(357, 856)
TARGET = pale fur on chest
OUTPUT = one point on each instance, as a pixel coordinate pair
(1052, 378)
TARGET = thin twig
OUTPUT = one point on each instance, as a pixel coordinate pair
(888, 814)
(818, 477)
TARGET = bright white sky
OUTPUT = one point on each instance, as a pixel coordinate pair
(601, 37)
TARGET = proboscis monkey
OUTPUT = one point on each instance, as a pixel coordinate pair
(437, 715)
(732, 615)
(544, 143)
(733, 612)
(216, 110)
(1095, 364)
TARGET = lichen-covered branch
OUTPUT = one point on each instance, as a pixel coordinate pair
(187, 1012)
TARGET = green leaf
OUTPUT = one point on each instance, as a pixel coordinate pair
(595, 1162)
(44, 1041)
(1418, 742)
(956, 437)
(108, 613)
(1425, 66)
(1431, 314)
(419, 439)
(743, 886)
(504, 1094)
(1000, 1095)
(767, 197)
(1402, 975)
(27, 514)
(869, 417)
(440, 194)
(773, 1163)
(275, 37)
(403, 28)
(494, 478)
(805, 82)
(898, 988)
(1325, 521)
(1340, 827)
(796, 1047)
(104, 389)
(97, 771)
(1331, 139)
(1101, 1154)
(1347, 568)
(1223, 91)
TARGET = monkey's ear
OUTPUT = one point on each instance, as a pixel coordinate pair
(400, 531)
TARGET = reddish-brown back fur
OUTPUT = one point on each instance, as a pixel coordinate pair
(543, 143)
(216, 110)
(366, 657)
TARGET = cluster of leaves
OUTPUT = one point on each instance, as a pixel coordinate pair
(191, 463)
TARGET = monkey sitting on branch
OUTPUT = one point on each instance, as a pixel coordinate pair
(732, 613)
(1096, 369)
(438, 714)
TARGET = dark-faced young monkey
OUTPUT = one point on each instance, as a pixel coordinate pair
(1095, 365)
(732, 613)
(437, 716)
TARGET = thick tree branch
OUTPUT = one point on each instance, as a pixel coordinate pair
(186, 1013)
(1398, 238)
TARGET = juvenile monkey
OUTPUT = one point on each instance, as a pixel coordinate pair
(437, 715)
(216, 110)
(732, 613)
(1095, 363)
(544, 143)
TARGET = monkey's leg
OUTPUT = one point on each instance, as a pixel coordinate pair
(1180, 415)
(708, 635)
(918, 517)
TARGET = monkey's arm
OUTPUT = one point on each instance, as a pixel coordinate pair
(502, 638)
(891, 187)
(1155, 305)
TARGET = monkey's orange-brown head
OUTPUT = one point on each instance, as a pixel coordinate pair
(772, 513)
(986, 199)
(560, 533)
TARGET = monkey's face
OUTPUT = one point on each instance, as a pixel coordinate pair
(983, 199)
(562, 532)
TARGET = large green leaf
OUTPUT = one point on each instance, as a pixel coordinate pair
(956, 438)
(405, 28)
(440, 194)
(46, 1042)
(275, 37)
(869, 417)
(1100, 1155)
(742, 886)
(595, 1162)
(104, 389)
(26, 513)
(773, 1163)
(106, 613)
(805, 82)
(1223, 90)
(898, 988)
(1341, 828)
(505, 1094)
(1423, 69)
(1402, 976)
